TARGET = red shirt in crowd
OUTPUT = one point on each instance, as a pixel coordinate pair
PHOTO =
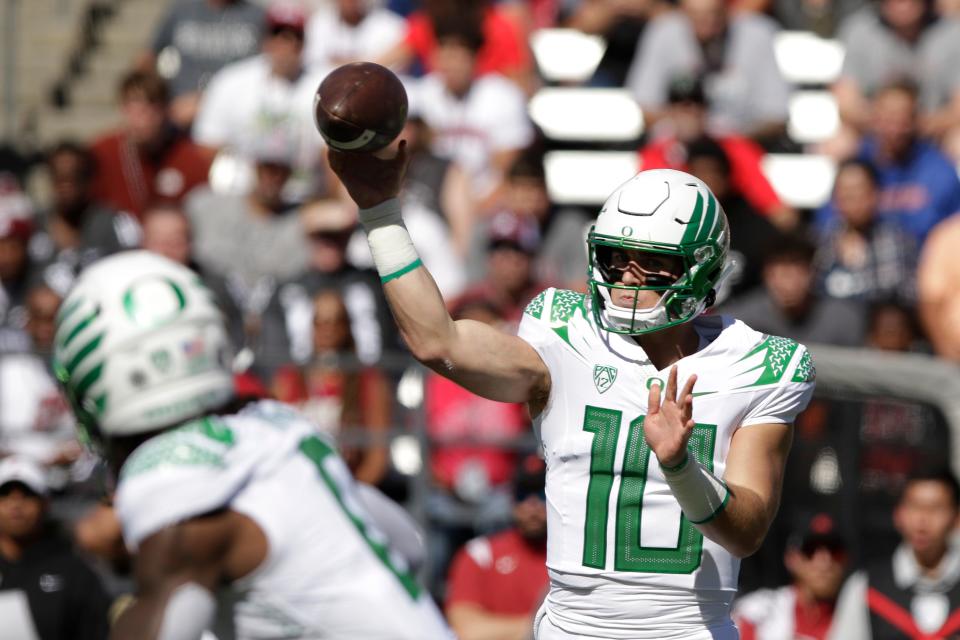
(454, 413)
(746, 174)
(504, 49)
(130, 179)
(503, 574)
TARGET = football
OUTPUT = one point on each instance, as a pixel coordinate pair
(360, 107)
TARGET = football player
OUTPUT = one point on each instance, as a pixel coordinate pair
(665, 431)
(243, 520)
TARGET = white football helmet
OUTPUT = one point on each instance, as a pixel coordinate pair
(666, 212)
(140, 345)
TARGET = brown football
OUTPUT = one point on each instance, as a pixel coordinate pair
(360, 106)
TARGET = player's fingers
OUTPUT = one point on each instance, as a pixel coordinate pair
(671, 393)
(653, 398)
(688, 388)
(686, 407)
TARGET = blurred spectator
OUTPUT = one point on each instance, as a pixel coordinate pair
(287, 324)
(509, 282)
(16, 227)
(343, 397)
(918, 184)
(892, 327)
(822, 17)
(900, 39)
(480, 122)
(472, 455)
(35, 420)
(348, 31)
(914, 594)
(938, 284)
(685, 120)
(502, 46)
(76, 230)
(47, 591)
(497, 582)
(146, 159)
(258, 239)
(167, 231)
(562, 256)
(734, 52)
(816, 558)
(194, 40)
(861, 256)
(270, 94)
(750, 232)
(621, 24)
(438, 184)
(788, 304)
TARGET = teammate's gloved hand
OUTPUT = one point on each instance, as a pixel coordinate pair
(669, 420)
(370, 178)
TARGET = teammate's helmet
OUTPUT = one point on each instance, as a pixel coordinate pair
(665, 212)
(140, 345)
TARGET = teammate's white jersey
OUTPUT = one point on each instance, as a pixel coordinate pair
(623, 560)
(329, 573)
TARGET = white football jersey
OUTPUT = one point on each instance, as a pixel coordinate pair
(620, 552)
(330, 572)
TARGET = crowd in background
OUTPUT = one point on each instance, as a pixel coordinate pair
(216, 163)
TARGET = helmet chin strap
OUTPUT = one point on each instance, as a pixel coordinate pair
(627, 318)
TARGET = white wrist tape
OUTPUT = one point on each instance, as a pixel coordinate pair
(190, 611)
(390, 243)
(702, 495)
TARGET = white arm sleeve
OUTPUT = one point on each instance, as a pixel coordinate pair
(851, 619)
(396, 523)
(189, 613)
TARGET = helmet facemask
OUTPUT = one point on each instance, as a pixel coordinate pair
(680, 300)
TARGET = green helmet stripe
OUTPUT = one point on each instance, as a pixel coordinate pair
(80, 326)
(83, 353)
(67, 311)
(100, 403)
(87, 381)
(693, 226)
(710, 220)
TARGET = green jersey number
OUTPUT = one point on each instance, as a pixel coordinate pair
(630, 555)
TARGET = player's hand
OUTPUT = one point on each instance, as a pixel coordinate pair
(369, 178)
(669, 420)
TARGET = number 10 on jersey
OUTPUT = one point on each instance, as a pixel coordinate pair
(629, 555)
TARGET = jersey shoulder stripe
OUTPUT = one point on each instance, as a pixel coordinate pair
(556, 306)
(202, 442)
(556, 312)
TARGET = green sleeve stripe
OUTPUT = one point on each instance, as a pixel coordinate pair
(396, 274)
(723, 505)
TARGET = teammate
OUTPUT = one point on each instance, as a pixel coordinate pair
(665, 432)
(244, 520)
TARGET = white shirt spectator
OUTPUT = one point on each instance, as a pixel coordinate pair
(747, 92)
(245, 102)
(331, 42)
(492, 117)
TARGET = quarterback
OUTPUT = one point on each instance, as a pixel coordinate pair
(243, 520)
(665, 431)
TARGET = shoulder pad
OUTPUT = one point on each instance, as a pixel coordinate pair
(199, 443)
(556, 306)
(776, 359)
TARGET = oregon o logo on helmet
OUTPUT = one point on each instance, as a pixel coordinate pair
(153, 301)
(626, 231)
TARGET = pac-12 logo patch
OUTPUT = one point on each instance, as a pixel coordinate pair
(604, 377)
